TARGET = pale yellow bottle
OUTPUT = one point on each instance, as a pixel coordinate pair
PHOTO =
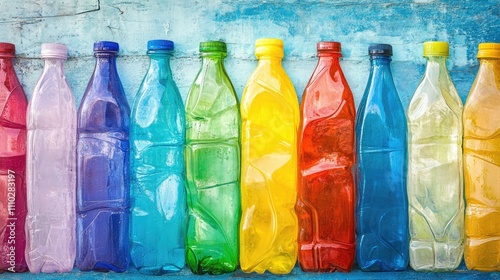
(482, 163)
(435, 180)
(270, 118)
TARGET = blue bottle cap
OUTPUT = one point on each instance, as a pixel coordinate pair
(380, 49)
(160, 45)
(106, 46)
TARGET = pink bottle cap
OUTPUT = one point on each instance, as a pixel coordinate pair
(7, 49)
(53, 50)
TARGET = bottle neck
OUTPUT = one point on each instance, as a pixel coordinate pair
(160, 64)
(380, 72)
(269, 60)
(436, 67)
(380, 60)
(380, 66)
(105, 63)
(210, 60)
(6, 64)
(489, 67)
(328, 59)
(54, 64)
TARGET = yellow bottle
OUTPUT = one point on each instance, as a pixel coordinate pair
(270, 118)
(482, 163)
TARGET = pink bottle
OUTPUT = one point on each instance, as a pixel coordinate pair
(13, 105)
(51, 168)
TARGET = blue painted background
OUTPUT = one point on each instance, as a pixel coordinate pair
(300, 23)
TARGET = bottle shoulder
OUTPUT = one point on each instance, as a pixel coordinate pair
(480, 116)
(381, 99)
(435, 108)
(13, 105)
(211, 94)
(52, 91)
(486, 86)
(158, 115)
(160, 97)
(327, 95)
(270, 88)
(435, 92)
(381, 120)
(103, 113)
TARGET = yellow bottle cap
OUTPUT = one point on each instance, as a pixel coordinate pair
(436, 49)
(269, 46)
(488, 50)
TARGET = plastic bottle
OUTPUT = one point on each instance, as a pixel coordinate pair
(325, 205)
(435, 195)
(212, 166)
(382, 206)
(158, 197)
(481, 119)
(270, 119)
(103, 168)
(13, 206)
(51, 168)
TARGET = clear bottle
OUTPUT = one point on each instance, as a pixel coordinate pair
(158, 196)
(103, 201)
(481, 119)
(212, 166)
(270, 119)
(325, 204)
(51, 168)
(381, 147)
(435, 183)
(13, 206)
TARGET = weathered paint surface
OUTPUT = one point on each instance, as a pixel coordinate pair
(405, 24)
(300, 23)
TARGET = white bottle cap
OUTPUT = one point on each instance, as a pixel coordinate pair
(53, 50)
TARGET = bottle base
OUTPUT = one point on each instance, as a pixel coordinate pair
(209, 260)
(282, 264)
(326, 257)
(102, 267)
(434, 256)
(159, 270)
(481, 254)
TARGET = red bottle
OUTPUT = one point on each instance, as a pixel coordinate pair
(325, 205)
(13, 106)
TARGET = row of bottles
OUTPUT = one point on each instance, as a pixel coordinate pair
(374, 185)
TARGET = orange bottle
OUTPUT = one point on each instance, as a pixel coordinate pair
(482, 163)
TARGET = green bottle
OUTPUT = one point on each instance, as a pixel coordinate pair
(212, 166)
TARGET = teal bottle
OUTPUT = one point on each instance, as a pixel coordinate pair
(212, 166)
(158, 198)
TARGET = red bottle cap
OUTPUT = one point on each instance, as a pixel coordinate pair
(7, 49)
(329, 47)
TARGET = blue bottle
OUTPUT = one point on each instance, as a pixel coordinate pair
(158, 198)
(103, 201)
(381, 212)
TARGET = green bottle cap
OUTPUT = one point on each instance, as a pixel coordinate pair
(213, 46)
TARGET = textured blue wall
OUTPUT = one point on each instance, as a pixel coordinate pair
(300, 23)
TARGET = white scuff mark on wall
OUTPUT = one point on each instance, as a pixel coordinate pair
(423, 1)
(460, 55)
(458, 51)
(166, 27)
